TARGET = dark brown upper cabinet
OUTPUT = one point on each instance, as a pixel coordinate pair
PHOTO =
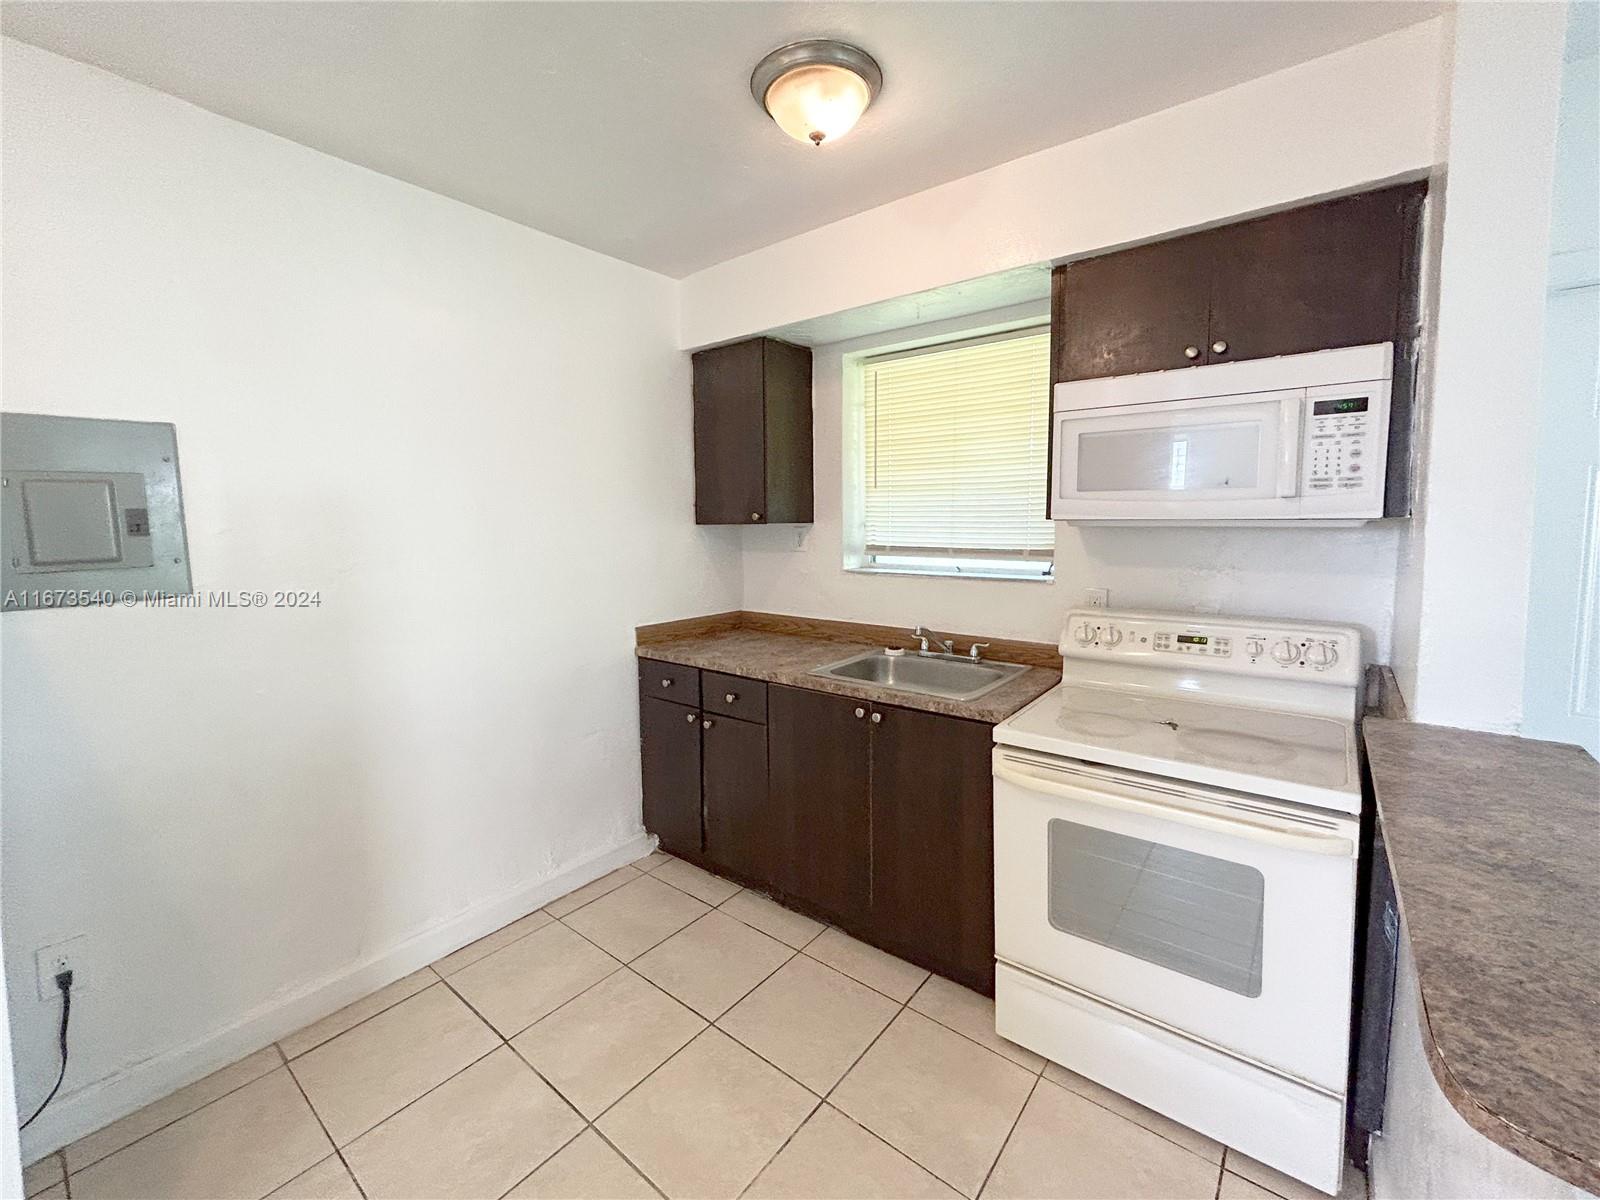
(1339, 273)
(752, 434)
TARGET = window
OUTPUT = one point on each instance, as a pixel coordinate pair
(953, 443)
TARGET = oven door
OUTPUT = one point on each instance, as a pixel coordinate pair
(1219, 457)
(1225, 918)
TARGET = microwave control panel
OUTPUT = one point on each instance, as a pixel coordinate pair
(1339, 444)
(1330, 653)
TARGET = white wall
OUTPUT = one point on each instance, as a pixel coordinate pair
(1359, 116)
(471, 438)
(1463, 588)
(1344, 575)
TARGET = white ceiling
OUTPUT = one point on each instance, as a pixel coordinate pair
(629, 127)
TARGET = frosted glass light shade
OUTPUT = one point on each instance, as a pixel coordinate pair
(816, 90)
(817, 103)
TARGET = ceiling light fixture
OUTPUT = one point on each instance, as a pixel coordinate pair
(816, 90)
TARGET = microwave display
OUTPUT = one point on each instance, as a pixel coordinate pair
(1325, 408)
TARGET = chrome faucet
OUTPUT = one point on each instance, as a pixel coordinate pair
(946, 645)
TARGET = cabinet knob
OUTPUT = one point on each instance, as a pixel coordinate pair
(755, 516)
(877, 718)
(860, 712)
(729, 697)
(1219, 347)
(1191, 351)
(666, 683)
(706, 724)
(690, 718)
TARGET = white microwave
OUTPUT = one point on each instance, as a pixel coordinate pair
(1303, 437)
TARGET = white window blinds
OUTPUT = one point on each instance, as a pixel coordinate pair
(955, 441)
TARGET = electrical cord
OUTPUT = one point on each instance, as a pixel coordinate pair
(64, 982)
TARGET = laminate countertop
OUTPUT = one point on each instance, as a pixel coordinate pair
(789, 659)
(1494, 842)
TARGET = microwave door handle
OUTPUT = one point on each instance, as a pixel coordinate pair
(1289, 438)
(1308, 842)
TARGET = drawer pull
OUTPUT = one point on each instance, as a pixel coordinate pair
(706, 724)
(877, 718)
(666, 683)
(729, 697)
(690, 718)
(860, 712)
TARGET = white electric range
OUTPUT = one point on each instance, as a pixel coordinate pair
(1176, 837)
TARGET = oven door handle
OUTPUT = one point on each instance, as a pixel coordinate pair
(1306, 842)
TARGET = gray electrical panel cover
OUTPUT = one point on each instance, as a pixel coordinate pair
(91, 511)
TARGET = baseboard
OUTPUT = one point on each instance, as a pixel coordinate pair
(96, 1105)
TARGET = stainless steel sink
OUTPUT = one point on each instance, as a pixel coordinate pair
(930, 675)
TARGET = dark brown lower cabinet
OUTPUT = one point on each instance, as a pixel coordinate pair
(741, 836)
(876, 817)
(818, 761)
(669, 743)
(933, 842)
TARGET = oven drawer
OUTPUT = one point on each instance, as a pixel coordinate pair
(734, 696)
(669, 681)
(1227, 918)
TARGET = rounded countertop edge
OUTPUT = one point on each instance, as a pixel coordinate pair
(1539, 1151)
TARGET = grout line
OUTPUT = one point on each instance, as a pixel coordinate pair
(545, 1159)
(1015, 1121)
(416, 1098)
(763, 896)
(545, 908)
(488, 1024)
(1106, 1107)
(793, 1133)
(321, 1125)
(863, 982)
(437, 978)
(440, 975)
(649, 1183)
(95, 1161)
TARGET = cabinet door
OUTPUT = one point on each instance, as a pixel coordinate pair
(729, 435)
(1136, 310)
(742, 835)
(933, 842)
(787, 376)
(1313, 278)
(818, 751)
(669, 737)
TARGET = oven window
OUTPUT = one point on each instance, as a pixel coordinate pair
(1165, 459)
(1184, 911)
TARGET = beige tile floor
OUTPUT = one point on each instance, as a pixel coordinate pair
(659, 1032)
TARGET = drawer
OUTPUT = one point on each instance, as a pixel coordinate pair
(669, 681)
(734, 696)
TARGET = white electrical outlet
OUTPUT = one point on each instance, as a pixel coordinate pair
(70, 954)
(1096, 597)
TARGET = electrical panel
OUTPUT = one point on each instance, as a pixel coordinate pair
(91, 512)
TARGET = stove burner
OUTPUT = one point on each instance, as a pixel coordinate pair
(1097, 724)
(1235, 747)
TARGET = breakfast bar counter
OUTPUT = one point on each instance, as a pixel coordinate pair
(1494, 842)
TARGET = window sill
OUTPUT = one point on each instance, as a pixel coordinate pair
(1000, 576)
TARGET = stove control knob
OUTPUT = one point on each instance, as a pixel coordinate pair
(1322, 655)
(1111, 637)
(1285, 652)
(1086, 634)
(1255, 647)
